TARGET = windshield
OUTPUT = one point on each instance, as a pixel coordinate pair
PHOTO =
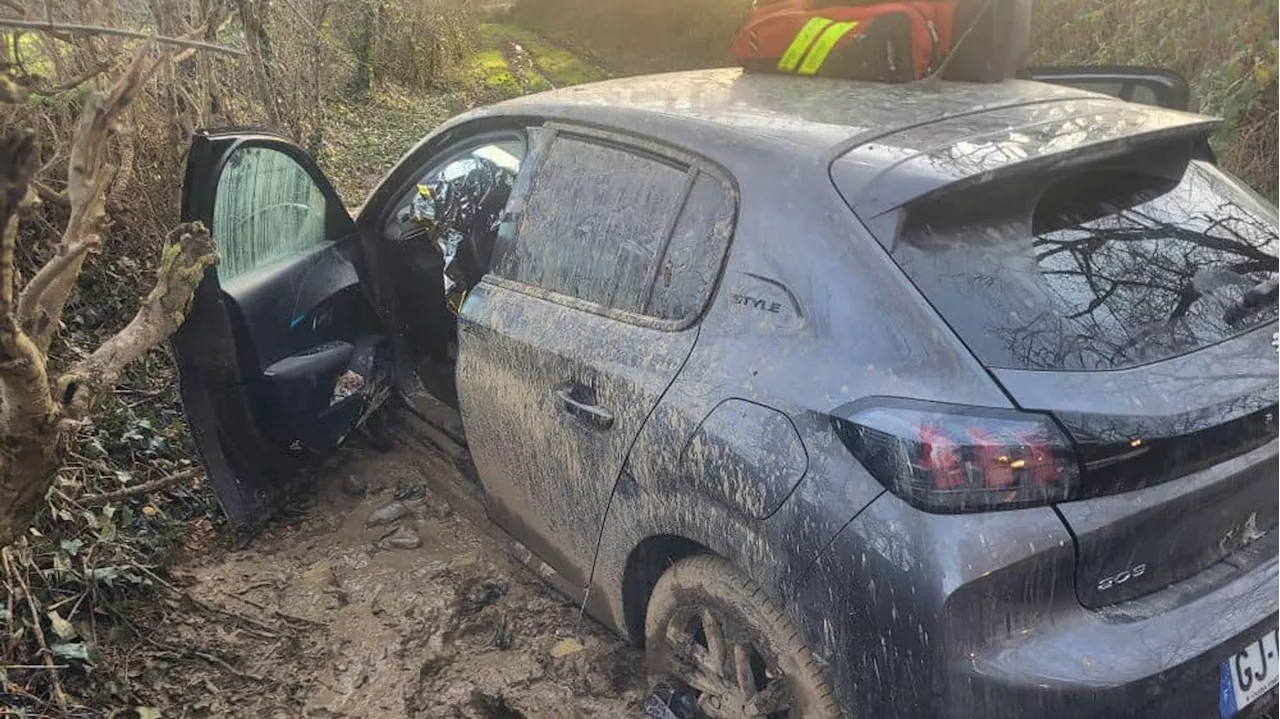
(1108, 269)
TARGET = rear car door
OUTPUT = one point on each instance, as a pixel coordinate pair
(281, 355)
(609, 250)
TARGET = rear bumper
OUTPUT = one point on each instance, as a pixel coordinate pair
(1117, 665)
(949, 616)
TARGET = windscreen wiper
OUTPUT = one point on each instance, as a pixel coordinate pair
(1255, 298)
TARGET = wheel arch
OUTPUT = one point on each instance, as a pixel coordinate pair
(645, 565)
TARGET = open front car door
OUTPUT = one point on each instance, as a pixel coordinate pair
(281, 356)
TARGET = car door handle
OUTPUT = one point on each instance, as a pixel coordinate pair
(591, 414)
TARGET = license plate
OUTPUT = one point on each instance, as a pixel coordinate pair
(1249, 675)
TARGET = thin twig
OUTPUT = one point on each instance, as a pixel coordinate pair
(180, 650)
(215, 609)
(48, 194)
(58, 693)
(300, 620)
(98, 30)
(97, 500)
(71, 84)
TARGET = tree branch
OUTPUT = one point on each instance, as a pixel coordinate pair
(72, 83)
(88, 176)
(97, 30)
(188, 252)
(97, 500)
(11, 92)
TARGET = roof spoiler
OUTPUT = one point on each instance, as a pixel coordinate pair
(1090, 132)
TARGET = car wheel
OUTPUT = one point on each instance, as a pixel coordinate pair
(710, 628)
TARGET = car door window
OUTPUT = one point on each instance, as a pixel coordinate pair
(268, 209)
(620, 228)
(594, 223)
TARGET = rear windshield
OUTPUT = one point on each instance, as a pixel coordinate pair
(1104, 270)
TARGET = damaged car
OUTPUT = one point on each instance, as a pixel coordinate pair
(841, 399)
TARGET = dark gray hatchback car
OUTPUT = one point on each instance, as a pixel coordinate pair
(929, 400)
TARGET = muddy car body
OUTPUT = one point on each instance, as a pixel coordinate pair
(711, 323)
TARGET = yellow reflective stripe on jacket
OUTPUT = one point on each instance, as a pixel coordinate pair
(818, 54)
(804, 38)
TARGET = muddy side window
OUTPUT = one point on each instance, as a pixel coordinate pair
(595, 223)
(695, 251)
(268, 209)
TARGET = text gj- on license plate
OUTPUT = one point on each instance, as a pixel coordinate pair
(1249, 674)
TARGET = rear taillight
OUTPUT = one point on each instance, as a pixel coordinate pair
(947, 458)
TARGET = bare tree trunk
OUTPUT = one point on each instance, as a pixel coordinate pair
(37, 415)
(28, 435)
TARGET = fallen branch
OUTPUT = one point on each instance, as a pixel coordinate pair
(97, 500)
(188, 252)
(98, 30)
(59, 694)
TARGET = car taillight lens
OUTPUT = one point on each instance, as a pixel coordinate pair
(947, 458)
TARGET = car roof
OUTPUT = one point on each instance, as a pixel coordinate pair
(795, 112)
(885, 144)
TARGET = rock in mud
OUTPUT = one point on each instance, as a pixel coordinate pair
(354, 486)
(388, 514)
(402, 538)
(480, 593)
(565, 647)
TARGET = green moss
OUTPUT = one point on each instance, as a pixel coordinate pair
(490, 70)
(32, 52)
(556, 66)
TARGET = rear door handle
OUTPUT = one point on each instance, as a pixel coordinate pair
(591, 414)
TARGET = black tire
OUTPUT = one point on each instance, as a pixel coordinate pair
(709, 627)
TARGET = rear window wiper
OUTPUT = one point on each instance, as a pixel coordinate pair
(1255, 298)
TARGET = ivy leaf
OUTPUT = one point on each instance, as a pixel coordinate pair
(1262, 75)
(61, 627)
(106, 575)
(72, 650)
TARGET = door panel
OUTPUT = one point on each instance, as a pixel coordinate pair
(604, 260)
(552, 399)
(281, 354)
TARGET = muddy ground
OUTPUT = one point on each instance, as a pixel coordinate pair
(375, 598)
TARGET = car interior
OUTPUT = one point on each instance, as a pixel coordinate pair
(437, 242)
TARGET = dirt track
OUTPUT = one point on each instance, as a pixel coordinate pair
(330, 617)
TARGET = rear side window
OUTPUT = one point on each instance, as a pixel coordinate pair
(621, 228)
(1105, 270)
(696, 250)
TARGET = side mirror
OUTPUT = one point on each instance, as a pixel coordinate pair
(1145, 85)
